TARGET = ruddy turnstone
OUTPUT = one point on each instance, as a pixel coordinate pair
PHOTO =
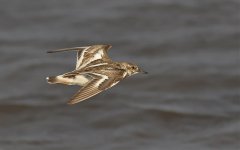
(95, 71)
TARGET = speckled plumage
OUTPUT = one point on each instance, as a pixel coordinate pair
(95, 71)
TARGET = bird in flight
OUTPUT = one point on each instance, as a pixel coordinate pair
(95, 71)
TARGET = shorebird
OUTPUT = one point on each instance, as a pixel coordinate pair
(94, 71)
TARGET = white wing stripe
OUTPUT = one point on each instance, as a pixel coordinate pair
(103, 78)
(79, 60)
(96, 57)
(95, 52)
(97, 65)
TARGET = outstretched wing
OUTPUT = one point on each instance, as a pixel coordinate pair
(88, 54)
(99, 83)
(89, 90)
(80, 52)
(93, 55)
(69, 49)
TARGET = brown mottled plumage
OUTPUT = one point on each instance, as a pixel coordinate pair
(95, 71)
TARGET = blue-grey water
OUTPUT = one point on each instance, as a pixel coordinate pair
(189, 101)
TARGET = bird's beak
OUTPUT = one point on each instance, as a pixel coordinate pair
(142, 71)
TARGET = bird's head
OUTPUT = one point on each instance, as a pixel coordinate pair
(132, 69)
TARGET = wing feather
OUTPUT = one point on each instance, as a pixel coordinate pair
(89, 90)
(114, 76)
(93, 54)
(99, 83)
(88, 54)
(68, 49)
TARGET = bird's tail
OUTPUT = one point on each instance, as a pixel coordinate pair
(52, 80)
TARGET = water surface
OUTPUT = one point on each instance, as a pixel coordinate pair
(190, 99)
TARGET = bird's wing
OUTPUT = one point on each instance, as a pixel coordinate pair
(89, 90)
(99, 83)
(88, 54)
(95, 54)
(69, 49)
(80, 52)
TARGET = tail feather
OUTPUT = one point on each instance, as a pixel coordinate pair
(52, 80)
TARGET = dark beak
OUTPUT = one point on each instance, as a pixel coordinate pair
(142, 71)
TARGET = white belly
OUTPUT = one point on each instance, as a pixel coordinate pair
(81, 80)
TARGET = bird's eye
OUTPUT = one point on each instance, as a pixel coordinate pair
(133, 67)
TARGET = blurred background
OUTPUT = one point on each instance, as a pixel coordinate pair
(190, 100)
